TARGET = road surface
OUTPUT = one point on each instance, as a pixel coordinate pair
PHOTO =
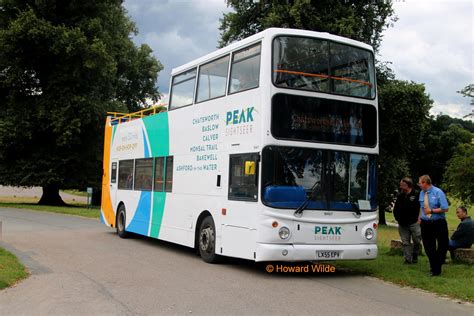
(79, 266)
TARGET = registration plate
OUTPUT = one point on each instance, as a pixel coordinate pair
(328, 254)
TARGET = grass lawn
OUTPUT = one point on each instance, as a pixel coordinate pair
(75, 192)
(456, 280)
(11, 270)
(71, 209)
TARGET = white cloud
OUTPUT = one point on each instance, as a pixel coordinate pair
(451, 109)
(178, 31)
(432, 43)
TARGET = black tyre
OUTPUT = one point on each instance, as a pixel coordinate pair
(207, 240)
(121, 220)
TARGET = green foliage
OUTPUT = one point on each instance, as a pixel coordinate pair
(384, 73)
(440, 140)
(391, 170)
(403, 114)
(360, 20)
(460, 172)
(444, 121)
(63, 65)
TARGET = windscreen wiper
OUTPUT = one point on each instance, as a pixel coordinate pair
(299, 211)
(355, 207)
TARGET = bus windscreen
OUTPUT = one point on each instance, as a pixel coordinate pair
(334, 180)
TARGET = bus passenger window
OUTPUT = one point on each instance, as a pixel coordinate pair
(212, 79)
(245, 70)
(125, 180)
(182, 90)
(143, 174)
(243, 178)
(159, 174)
(169, 174)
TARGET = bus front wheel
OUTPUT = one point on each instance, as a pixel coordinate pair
(207, 240)
(121, 220)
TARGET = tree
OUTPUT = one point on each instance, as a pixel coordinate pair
(403, 117)
(443, 122)
(360, 20)
(467, 91)
(440, 140)
(460, 172)
(63, 65)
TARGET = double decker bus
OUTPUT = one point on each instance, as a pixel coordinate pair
(267, 151)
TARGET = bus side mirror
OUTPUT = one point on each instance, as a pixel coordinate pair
(249, 168)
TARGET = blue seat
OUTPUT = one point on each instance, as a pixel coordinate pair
(284, 196)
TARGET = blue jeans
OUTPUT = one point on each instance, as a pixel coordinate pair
(453, 244)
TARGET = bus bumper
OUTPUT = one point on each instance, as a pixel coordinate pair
(290, 252)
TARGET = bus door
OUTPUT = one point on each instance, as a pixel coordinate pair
(113, 180)
(239, 233)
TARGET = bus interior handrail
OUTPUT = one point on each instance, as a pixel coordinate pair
(307, 74)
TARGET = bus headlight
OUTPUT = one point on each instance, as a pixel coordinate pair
(369, 233)
(284, 233)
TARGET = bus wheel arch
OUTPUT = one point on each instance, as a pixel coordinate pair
(205, 238)
(121, 220)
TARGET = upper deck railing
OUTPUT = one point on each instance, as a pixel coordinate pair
(118, 117)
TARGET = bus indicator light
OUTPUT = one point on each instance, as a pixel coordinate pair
(275, 224)
(224, 211)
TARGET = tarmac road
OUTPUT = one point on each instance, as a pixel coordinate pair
(78, 266)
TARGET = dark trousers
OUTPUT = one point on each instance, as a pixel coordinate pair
(435, 240)
(407, 234)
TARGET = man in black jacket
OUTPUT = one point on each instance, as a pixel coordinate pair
(463, 237)
(407, 213)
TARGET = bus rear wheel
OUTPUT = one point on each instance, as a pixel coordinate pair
(207, 240)
(121, 220)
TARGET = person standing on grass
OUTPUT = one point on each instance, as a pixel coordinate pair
(434, 228)
(407, 214)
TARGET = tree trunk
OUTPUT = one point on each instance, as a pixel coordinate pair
(382, 220)
(51, 196)
(96, 196)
